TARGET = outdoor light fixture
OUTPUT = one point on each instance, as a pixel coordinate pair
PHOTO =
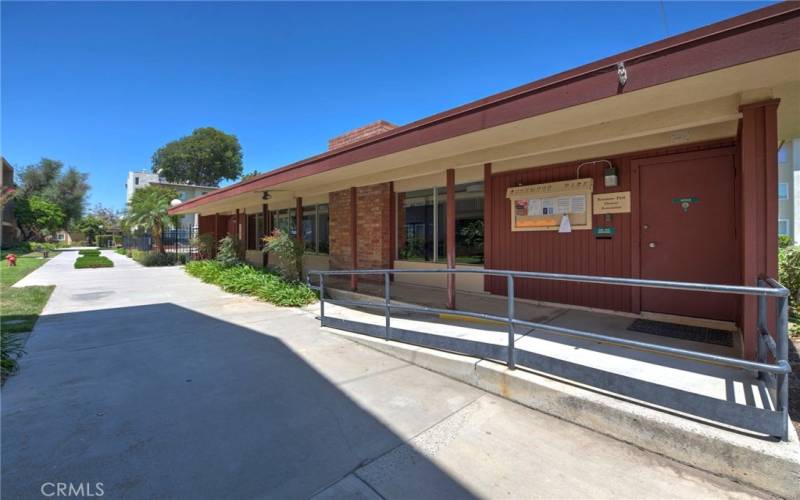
(174, 203)
(609, 171)
(622, 73)
(265, 195)
(610, 177)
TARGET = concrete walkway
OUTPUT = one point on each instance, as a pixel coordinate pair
(160, 386)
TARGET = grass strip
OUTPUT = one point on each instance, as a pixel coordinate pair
(19, 309)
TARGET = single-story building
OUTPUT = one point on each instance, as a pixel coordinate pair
(656, 163)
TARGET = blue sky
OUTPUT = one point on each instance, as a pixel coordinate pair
(102, 85)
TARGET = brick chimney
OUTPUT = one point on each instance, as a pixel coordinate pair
(360, 133)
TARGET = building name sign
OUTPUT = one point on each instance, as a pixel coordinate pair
(541, 207)
(612, 203)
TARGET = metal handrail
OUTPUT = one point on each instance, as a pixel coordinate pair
(776, 291)
(776, 372)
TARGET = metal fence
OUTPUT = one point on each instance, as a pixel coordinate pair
(771, 420)
(180, 241)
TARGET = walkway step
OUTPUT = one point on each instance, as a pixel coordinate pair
(767, 464)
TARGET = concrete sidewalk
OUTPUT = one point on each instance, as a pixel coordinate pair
(160, 386)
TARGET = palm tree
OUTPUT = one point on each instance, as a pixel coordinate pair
(148, 209)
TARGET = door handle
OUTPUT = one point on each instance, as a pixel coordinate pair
(652, 244)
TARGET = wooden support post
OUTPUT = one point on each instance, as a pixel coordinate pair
(487, 222)
(298, 218)
(216, 234)
(451, 237)
(238, 232)
(758, 185)
(264, 232)
(353, 237)
(237, 229)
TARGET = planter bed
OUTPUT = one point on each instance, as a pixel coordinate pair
(92, 261)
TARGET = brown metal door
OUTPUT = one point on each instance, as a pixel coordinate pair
(688, 232)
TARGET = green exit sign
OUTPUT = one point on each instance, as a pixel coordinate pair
(604, 232)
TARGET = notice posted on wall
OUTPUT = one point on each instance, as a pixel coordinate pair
(544, 207)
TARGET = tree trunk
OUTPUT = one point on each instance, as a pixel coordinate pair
(157, 235)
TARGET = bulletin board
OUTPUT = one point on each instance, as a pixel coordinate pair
(540, 207)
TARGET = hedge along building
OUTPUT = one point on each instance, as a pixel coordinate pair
(663, 159)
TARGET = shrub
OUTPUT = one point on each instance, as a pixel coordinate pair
(246, 280)
(158, 259)
(289, 251)
(43, 248)
(155, 259)
(92, 252)
(784, 241)
(121, 251)
(92, 261)
(789, 274)
(228, 252)
(204, 244)
(138, 255)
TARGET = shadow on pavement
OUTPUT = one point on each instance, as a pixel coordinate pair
(159, 401)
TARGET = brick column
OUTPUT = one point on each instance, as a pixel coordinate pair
(758, 185)
(353, 237)
(451, 237)
(392, 227)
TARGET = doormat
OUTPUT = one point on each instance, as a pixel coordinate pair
(684, 332)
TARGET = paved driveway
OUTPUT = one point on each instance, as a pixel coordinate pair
(158, 386)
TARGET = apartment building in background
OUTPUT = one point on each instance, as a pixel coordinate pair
(144, 178)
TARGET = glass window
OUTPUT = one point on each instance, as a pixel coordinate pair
(322, 228)
(783, 190)
(285, 221)
(255, 232)
(310, 228)
(422, 231)
(469, 223)
(783, 154)
(415, 225)
(136, 180)
(440, 221)
(251, 232)
(783, 227)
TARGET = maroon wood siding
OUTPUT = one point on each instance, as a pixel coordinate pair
(205, 224)
(578, 252)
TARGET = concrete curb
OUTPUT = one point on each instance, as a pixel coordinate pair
(768, 465)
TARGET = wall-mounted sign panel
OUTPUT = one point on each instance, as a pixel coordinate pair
(604, 232)
(612, 203)
(540, 207)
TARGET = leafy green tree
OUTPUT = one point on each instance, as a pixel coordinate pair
(148, 210)
(67, 189)
(91, 226)
(37, 217)
(204, 158)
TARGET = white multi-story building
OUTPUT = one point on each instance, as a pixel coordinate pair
(789, 189)
(141, 179)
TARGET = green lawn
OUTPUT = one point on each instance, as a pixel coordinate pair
(20, 307)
